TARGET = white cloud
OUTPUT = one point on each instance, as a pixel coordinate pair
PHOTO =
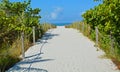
(53, 15)
(56, 12)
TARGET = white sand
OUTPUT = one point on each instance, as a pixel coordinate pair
(64, 50)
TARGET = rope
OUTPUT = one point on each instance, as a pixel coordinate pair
(10, 51)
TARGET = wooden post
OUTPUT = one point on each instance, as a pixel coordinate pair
(96, 30)
(83, 27)
(33, 35)
(77, 26)
(89, 31)
(22, 39)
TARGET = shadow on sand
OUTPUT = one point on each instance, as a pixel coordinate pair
(45, 38)
(29, 60)
(24, 69)
(29, 68)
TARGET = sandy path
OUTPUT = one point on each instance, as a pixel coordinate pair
(64, 50)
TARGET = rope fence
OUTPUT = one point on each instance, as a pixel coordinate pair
(9, 50)
(106, 42)
(20, 39)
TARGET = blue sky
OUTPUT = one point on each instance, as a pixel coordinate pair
(62, 11)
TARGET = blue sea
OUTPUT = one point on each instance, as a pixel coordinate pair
(61, 24)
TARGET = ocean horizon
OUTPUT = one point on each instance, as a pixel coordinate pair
(61, 24)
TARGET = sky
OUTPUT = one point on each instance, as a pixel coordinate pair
(62, 11)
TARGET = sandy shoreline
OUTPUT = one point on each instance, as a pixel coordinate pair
(64, 50)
